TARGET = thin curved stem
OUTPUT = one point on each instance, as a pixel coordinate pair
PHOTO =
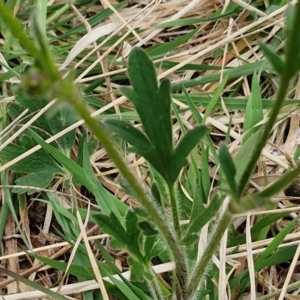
(292, 54)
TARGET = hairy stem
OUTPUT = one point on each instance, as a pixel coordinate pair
(155, 288)
(199, 272)
(180, 280)
(174, 208)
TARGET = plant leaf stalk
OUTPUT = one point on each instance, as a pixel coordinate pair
(291, 54)
(101, 134)
(17, 29)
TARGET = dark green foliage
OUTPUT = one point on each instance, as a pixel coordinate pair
(228, 168)
(39, 168)
(203, 217)
(138, 238)
(273, 58)
(153, 103)
(85, 176)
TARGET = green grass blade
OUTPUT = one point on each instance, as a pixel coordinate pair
(216, 96)
(257, 228)
(281, 256)
(280, 184)
(246, 159)
(17, 29)
(32, 284)
(232, 8)
(274, 58)
(259, 263)
(85, 272)
(228, 168)
(105, 200)
(254, 109)
(233, 73)
(202, 100)
(161, 50)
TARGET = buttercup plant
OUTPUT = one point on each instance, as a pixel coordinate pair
(147, 232)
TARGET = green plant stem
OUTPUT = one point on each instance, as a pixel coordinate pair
(101, 134)
(58, 13)
(16, 28)
(285, 79)
(199, 272)
(174, 208)
(154, 287)
(180, 280)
